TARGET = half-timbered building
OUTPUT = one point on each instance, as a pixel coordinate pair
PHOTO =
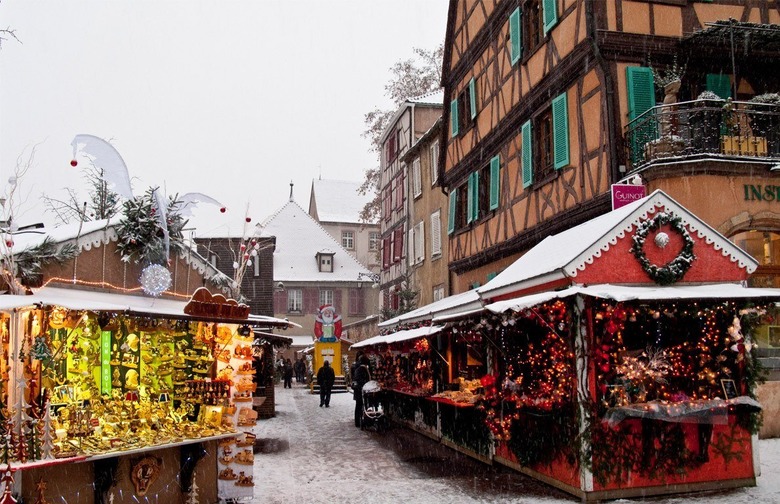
(550, 102)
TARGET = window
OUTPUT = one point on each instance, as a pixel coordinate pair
(326, 297)
(483, 190)
(294, 300)
(545, 142)
(534, 26)
(438, 293)
(256, 265)
(434, 162)
(325, 262)
(764, 246)
(436, 233)
(391, 147)
(373, 240)
(458, 208)
(416, 178)
(387, 204)
(399, 191)
(464, 109)
(213, 260)
(348, 240)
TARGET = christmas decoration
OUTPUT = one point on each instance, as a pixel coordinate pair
(105, 156)
(74, 163)
(47, 435)
(40, 492)
(677, 267)
(7, 480)
(192, 497)
(155, 279)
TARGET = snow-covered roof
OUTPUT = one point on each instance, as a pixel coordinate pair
(565, 254)
(338, 200)
(435, 97)
(398, 336)
(431, 99)
(91, 233)
(298, 239)
(632, 293)
(455, 304)
(76, 299)
(301, 341)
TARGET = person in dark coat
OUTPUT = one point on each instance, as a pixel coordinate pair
(325, 379)
(361, 376)
(288, 373)
(300, 370)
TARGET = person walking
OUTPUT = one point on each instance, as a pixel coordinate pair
(300, 370)
(361, 376)
(288, 373)
(325, 379)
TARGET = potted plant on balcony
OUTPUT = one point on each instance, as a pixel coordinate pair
(669, 142)
(705, 121)
(764, 118)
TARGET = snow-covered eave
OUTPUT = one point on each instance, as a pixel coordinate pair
(454, 304)
(543, 279)
(407, 104)
(622, 293)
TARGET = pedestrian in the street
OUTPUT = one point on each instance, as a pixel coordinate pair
(300, 370)
(325, 379)
(361, 376)
(288, 374)
(355, 365)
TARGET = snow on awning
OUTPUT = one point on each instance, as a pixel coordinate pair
(632, 293)
(453, 306)
(75, 299)
(398, 336)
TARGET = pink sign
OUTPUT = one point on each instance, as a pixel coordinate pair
(623, 194)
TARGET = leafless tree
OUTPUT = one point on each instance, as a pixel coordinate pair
(103, 202)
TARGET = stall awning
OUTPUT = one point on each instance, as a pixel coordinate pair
(452, 306)
(399, 336)
(76, 299)
(631, 293)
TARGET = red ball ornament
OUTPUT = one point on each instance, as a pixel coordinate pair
(223, 210)
(249, 219)
(9, 243)
(73, 162)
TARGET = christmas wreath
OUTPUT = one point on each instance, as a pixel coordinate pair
(674, 270)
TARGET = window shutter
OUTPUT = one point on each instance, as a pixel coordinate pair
(280, 302)
(436, 233)
(453, 209)
(495, 184)
(337, 300)
(527, 156)
(454, 117)
(473, 98)
(491, 276)
(416, 177)
(641, 92)
(560, 120)
(471, 195)
(719, 84)
(411, 256)
(310, 298)
(419, 245)
(515, 43)
(386, 253)
(550, 14)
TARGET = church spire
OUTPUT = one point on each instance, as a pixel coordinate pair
(291, 191)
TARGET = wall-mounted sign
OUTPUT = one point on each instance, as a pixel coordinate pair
(623, 194)
(762, 192)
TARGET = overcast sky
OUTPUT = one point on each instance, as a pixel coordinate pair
(234, 99)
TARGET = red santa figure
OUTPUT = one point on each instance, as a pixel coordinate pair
(327, 325)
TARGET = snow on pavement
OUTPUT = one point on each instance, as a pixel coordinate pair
(316, 455)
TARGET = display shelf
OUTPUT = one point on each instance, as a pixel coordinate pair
(450, 402)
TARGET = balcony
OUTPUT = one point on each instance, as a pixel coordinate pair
(684, 131)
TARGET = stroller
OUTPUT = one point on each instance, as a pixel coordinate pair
(373, 411)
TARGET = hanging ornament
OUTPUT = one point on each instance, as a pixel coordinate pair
(235, 265)
(40, 350)
(223, 210)
(661, 240)
(249, 219)
(74, 163)
(155, 279)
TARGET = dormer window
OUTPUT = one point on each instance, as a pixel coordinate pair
(325, 261)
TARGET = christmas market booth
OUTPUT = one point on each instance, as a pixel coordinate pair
(430, 374)
(114, 397)
(617, 358)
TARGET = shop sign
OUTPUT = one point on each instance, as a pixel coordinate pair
(762, 192)
(623, 194)
(105, 362)
(204, 304)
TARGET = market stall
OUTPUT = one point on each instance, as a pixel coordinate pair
(127, 396)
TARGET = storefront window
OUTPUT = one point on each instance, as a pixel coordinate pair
(764, 247)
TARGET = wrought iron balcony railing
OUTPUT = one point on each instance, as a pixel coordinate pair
(704, 128)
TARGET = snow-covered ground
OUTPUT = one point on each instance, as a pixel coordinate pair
(310, 454)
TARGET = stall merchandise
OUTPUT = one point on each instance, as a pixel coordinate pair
(87, 385)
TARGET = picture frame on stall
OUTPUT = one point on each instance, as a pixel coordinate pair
(729, 389)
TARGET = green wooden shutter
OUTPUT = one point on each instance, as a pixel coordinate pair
(641, 91)
(491, 276)
(550, 14)
(515, 42)
(471, 194)
(473, 98)
(560, 122)
(527, 156)
(453, 210)
(454, 117)
(719, 84)
(495, 167)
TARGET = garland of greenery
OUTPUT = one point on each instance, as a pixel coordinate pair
(677, 267)
(141, 237)
(30, 262)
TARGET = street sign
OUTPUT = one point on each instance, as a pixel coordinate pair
(623, 194)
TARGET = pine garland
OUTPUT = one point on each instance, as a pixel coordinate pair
(141, 238)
